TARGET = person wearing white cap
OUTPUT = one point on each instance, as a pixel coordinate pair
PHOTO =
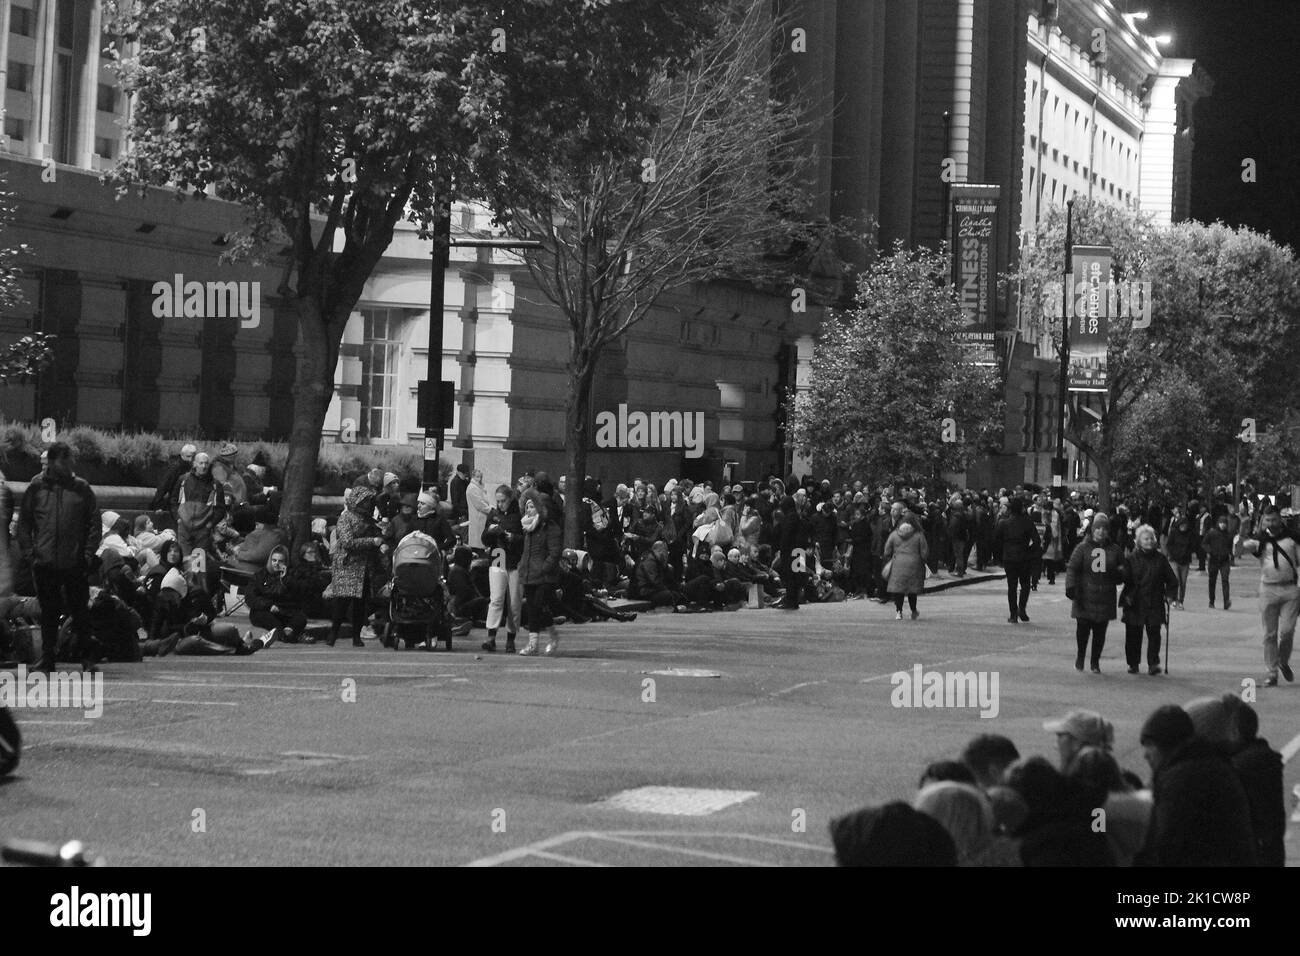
(113, 532)
(165, 497)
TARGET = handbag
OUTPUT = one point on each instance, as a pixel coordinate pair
(884, 572)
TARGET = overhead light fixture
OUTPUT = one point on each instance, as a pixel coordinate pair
(63, 212)
(146, 227)
(1163, 39)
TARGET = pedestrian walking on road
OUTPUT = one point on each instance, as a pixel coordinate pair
(58, 533)
(1279, 592)
(1217, 544)
(1179, 543)
(1017, 540)
(1092, 577)
(905, 557)
(1148, 582)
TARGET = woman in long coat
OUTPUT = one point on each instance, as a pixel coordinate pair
(539, 569)
(1095, 571)
(905, 553)
(1148, 580)
(357, 563)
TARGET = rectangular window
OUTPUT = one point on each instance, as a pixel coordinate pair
(65, 24)
(105, 147)
(15, 129)
(19, 77)
(106, 98)
(20, 21)
(380, 355)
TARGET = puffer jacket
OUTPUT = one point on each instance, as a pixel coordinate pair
(539, 562)
(504, 531)
(58, 523)
(1093, 593)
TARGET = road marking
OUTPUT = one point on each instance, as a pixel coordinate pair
(561, 858)
(790, 690)
(197, 703)
(677, 801)
(509, 856)
(1291, 749)
(645, 844)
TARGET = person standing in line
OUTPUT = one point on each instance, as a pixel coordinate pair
(164, 498)
(959, 528)
(58, 534)
(479, 508)
(795, 545)
(1095, 570)
(1148, 581)
(1017, 540)
(1179, 542)
(457, 493)
(1279, 592)
(1217, 544)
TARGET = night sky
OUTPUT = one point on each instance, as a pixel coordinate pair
(1249, 48)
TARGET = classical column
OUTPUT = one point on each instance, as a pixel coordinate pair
(90, 91)
(43, 88)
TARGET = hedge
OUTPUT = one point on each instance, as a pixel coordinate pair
(140, 458)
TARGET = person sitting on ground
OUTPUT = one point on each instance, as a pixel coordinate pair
(307, 580)
(988, 756)
(653, 575)
(1095, 772)
(1057, 830)
(967, 815)
(761, 566)
(226, 541)
(170, 558)
(115, 626)
(1231, 725)
(945, 771)
(272, 603)
(120, 579)
(1079, 729)
(645, 532)
(146, 542)
(717, 588)
(468, 604)
(579, 597)
(1201, 815)
(115, 532)
(892, 834)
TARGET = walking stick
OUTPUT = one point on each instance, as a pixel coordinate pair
(1169, 631)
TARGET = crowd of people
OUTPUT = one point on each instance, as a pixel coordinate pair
(1215, 799)
(690, 547)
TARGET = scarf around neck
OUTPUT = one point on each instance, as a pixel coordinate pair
(530, 522)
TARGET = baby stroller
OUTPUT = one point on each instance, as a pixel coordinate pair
(417, 603)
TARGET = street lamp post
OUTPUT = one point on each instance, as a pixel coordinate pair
(441, 253)
(1059, 469)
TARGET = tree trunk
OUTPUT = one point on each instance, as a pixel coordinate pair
(314, 387)
(576, 426)
(1103, 484)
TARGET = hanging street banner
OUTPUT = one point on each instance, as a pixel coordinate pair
(1088, 310)
(974, 221)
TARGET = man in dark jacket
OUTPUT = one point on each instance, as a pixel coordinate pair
(458, 493)
(165, 497)
(652, 578)
(793, 541)
(1217, 543)
(1201, 816)
(1179, 544)
(958, 535)
(58, 532)
(1016, 539)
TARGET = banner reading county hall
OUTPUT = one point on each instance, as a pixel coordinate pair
(974, 266)
(1089, 286)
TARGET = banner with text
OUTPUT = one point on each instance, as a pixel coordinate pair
(974, 266)
(1089, 285)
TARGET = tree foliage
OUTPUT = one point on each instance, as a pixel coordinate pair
(30, 353)
(1224, 314)
(333, 120)
(887, 374)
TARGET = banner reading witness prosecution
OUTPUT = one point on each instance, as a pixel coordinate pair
(974, 266)
(1088, 310)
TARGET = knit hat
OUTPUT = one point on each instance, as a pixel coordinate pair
(1167, 727)
(228, 450)
(389, 478)
(108, 519)
(1086, 726)
(174, 580)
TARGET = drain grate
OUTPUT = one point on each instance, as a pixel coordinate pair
(676, 801)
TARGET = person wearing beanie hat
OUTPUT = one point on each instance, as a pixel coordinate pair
(892, 834)
(539, 569)
(1092, 578)
(1201, 815)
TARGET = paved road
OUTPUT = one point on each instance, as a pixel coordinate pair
(448, 759)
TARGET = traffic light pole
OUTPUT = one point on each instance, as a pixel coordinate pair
(1060, 466)
(433, 430)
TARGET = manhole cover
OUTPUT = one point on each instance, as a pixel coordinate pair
(677, 801)
(684, 672)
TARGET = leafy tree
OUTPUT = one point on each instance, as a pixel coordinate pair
(31, 352)
(1224, 314)
(333, 120)
(1155, 447)
(887, 374)
(713, 190)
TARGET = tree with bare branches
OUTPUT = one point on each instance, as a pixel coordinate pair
(717, 191)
